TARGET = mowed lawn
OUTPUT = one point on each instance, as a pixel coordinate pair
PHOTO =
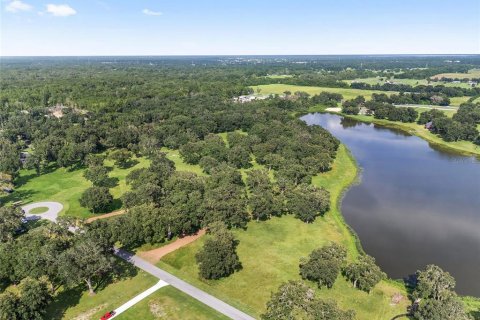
(166, 303)
(66, 186)
(170, 303)
(270, 252)
(347, 93)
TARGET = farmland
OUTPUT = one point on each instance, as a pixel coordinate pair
(347, 93)
(473, 73)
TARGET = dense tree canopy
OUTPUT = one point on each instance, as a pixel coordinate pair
(364, 274)
(324, 265)
(218, 257)
(437, 298)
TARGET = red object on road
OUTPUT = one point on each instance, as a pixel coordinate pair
(108, 315)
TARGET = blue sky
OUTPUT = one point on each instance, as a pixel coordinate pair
(203, 27)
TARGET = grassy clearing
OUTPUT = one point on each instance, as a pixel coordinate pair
(346, 92)
(473, 73)
(270, 253)
(456, 101)
(170, 303)
(174, 155)
(66, 186)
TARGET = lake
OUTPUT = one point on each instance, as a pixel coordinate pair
(415, 205)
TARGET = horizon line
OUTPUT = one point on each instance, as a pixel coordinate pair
(242, 55)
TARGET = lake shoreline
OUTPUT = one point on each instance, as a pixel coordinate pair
(440, 144)
(471, 301)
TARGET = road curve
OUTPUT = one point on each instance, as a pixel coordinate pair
(51, 214)
(181, 285)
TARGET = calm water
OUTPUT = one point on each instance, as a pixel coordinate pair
(415, 205)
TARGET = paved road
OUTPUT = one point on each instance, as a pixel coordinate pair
(51, 214)
(124, 307)
(181, 285)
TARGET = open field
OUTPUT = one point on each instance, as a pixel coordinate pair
(270, 253)
(346, 92)
(473, 73)
(174, 155)
(66, 186)
(411, 82)
(456, 101)
(170, 303)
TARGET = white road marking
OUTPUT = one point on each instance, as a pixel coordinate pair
(139, 298)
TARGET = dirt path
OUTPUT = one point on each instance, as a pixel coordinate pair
(153, 256)
(106, 215)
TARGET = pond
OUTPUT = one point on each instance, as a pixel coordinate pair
(415, 205)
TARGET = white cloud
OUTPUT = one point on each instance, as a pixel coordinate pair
(60, 10)
(17, 5)
(149, 12)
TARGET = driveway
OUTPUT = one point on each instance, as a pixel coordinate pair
(181, 285)
(51, 214)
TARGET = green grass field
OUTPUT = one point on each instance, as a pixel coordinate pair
(473, 73)
(170, 303)
(174, 155)
(66, 186)
(74, 303)
(167, 302)
(346, 92)
(411, 82)
(270, 253)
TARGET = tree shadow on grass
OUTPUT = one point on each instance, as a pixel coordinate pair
(71, 297)
(475, 314)
(17, 195)
(64, 300)
(122, 270)
(128, 164)
(24, 179)
(115, 205)
(111, 182)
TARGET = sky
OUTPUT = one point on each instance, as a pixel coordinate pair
(233, 27)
